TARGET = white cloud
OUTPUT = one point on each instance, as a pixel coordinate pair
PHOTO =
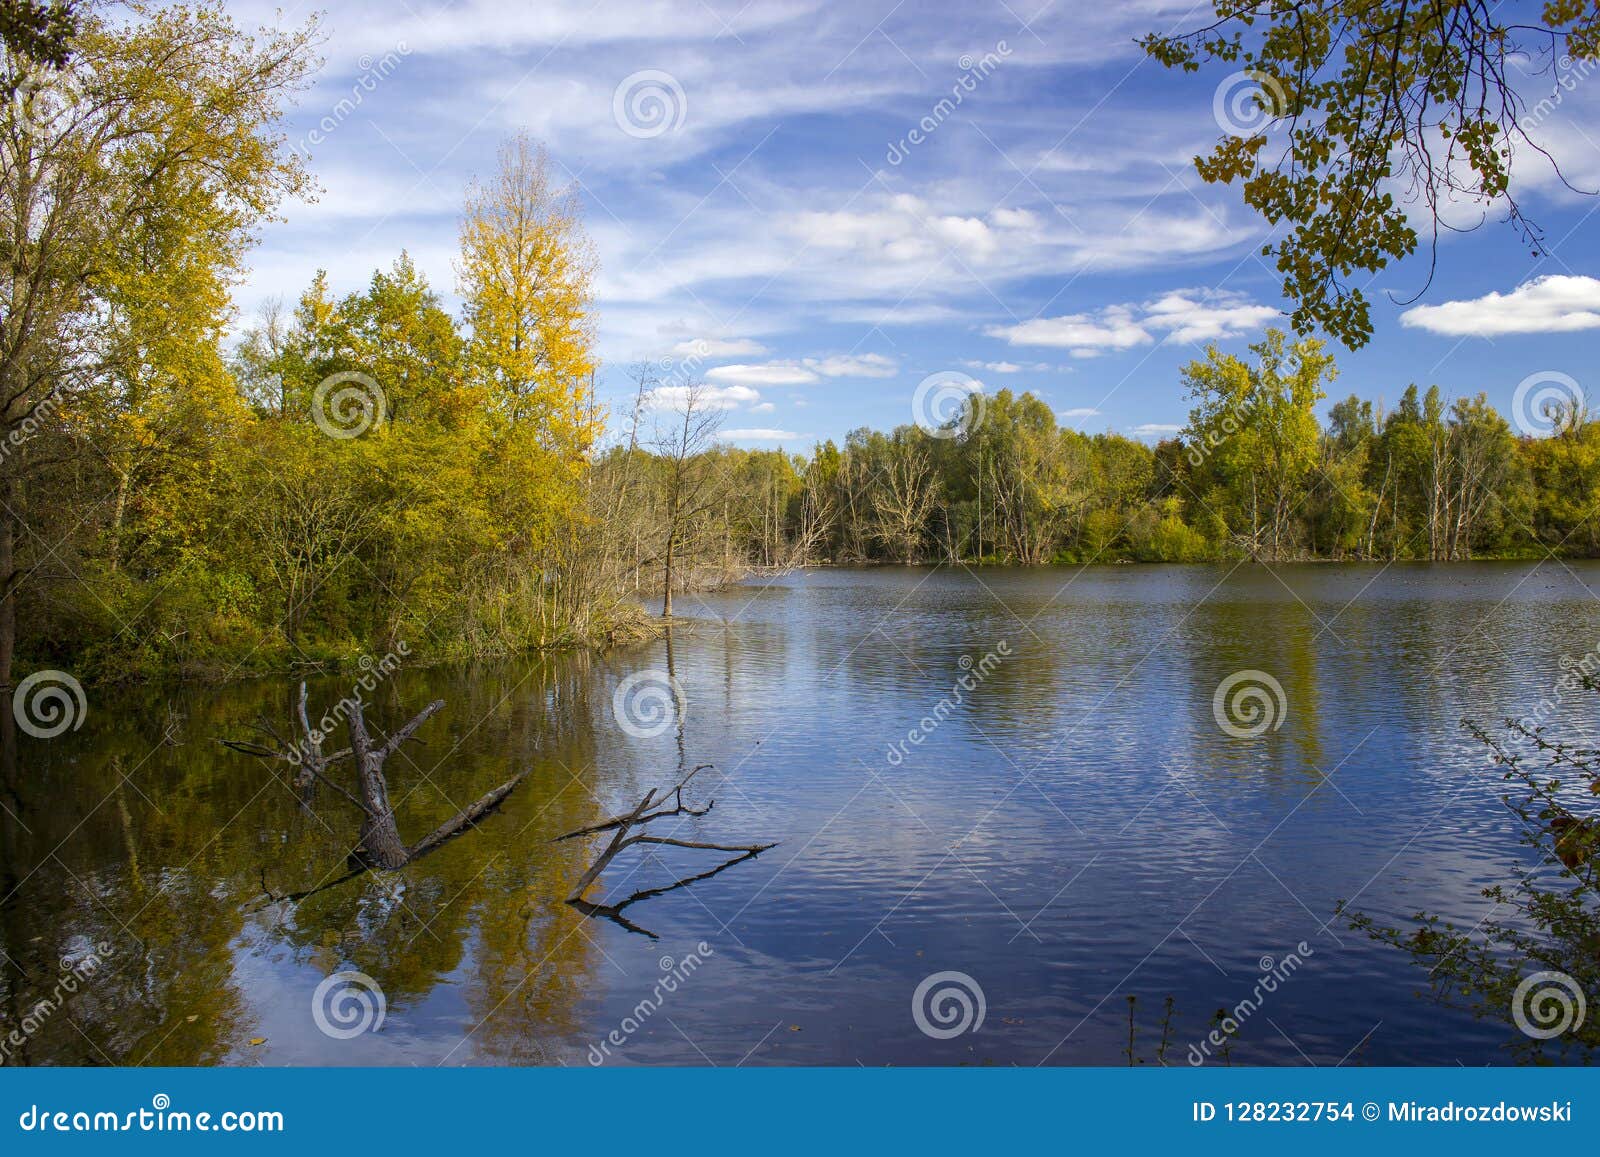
(715, 397)
(1198, 315)
(476, 25)
(904, 231)
(763, 408)
(1553, 304)
(862, 366)
(769, 374)
(1079, 412)
(1183, 315)
(1014, 219)
(1153, 429)
(710, 347)
(898, 313)
(806, 371)
(1005, 367)
(1113, 328)
(761, 434)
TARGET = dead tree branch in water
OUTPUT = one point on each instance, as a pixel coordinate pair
(379, 844)
(623, 824)
(306, 757)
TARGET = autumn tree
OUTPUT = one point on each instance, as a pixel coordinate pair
(38, 32)
(525, 270)
(137, 155)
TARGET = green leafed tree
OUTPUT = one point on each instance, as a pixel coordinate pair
(1255, 435)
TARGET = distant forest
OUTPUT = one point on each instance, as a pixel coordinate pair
(1254, 474)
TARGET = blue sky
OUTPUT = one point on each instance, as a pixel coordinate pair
(760, 208)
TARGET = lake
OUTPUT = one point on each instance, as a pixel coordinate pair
(1015, 776)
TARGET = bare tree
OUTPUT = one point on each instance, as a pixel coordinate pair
(905, 501)
(261, 353)
(686, 433)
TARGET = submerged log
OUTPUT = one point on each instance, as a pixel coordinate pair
(465, 818)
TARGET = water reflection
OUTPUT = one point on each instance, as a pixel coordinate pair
(1073, 829)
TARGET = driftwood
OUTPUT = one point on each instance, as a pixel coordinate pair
(379, 844)
(651, 807)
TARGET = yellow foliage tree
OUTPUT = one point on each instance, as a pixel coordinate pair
(525, 269)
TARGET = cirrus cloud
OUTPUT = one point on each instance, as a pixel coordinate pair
(705, 397)
(1183, 315)
(769, 374)
(806, 370)
(711, 347)
(760, 434)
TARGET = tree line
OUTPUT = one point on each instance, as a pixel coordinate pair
(1255, 474)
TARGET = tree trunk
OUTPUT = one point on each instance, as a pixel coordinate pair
(8, 584)
(666, 584)
(119, 512)
(381, 845)
(1372, 528)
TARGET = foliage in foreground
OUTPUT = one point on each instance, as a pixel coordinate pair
(1364, 118)
(1546, 921)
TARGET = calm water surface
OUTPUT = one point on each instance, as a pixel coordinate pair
(1075, 830)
